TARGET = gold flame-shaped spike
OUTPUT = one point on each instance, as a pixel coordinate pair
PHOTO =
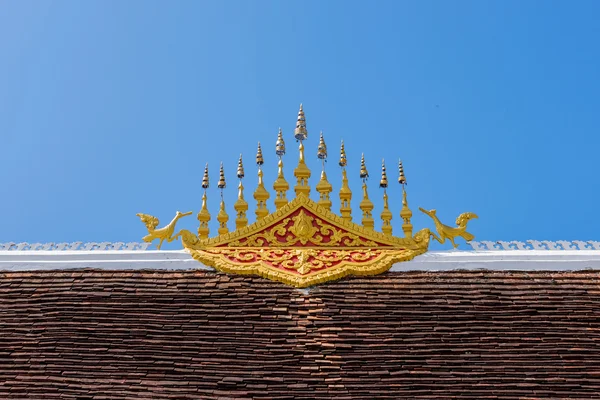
(280, 145)
(343, 161)
(203, 218)
(302, 174)
(383, 183)
(324, 188)
(364, 174)
(366, 205)
(386, 216)
(401, 177)
(300, 133)
(259, 156)
(345, 197)
(406, 214)
(205, 178)
(281, 187)
(222, 217)
(261, 196)
(322, 149)
(221, 184)
(240, 206)
(240, 168)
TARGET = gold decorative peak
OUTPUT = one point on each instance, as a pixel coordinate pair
(324, 188)
(343, 161)
(221, 185)
(366, 205)
(386, 216)
(261, 196)
(280, 185)
(240, 168)
(322, 149)
(205, 178)
(300, 133)
(364, 174)
(259, 156)
(222, 217)
(280, 144)
(203, 218)
(345, 197)
(401, 177)
(406, 214)
(383, 183)
(302, 173)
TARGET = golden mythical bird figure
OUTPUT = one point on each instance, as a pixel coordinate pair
(448, 232)
(164, 233)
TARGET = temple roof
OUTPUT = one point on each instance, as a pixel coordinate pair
(201, 334)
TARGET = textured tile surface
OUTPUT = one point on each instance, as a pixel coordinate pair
(202, 335)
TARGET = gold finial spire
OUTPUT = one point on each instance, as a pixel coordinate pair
(205, 178)
(222, 216)
(345, 192)
(405, 213)
(280, 186)
(343, 160)
(401, 177)
(366, 205)
(300, 133)
(204, 215)
(259, 157)
(240, 206)
(221, 185)
(260, 194)
(280, 144)
(322, 149)
(364, 174)
(323, 187)
(302, 172)
(386, 214)
(240, 168)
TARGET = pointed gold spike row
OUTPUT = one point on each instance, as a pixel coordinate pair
(300, 133)
(302, 172)
(345, 192)
(405, 213)
(281, 186)
(260, 194)
(222, 216)
(366, 205)
(323, 187)
(204, 215)
(386, 214)
(240, 206)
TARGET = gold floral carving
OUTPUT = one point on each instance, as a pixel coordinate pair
(303, 244)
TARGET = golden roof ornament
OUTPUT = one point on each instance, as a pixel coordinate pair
(386, 214)
(366, 205)
(302, 242)
(345, 192)
(260, 194)
(401, 177)
(280, 144)
(280, 186)
(300, 133)
(240, 206)
(323, 187)
(204, 216)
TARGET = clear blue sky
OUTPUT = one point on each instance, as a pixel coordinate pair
(109, 108)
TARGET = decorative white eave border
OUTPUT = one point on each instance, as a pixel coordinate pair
(542, 256)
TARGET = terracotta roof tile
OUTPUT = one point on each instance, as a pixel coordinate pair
(92, 334)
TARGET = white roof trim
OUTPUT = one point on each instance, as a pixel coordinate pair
(564, 260)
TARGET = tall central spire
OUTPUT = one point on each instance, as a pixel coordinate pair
(302, 172)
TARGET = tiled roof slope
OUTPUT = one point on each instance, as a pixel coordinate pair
(94, 334)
